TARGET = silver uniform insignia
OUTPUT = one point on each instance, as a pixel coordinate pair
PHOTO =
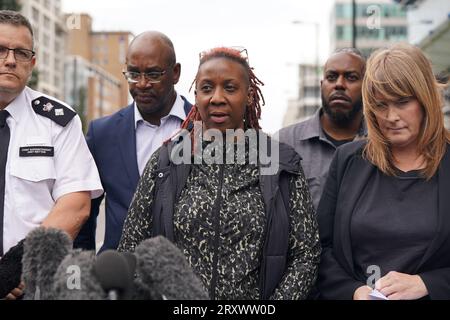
(43, 106)
(48, 107)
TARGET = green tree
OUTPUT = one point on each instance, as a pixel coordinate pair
(10, 5)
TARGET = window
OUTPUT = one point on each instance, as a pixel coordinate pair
(46, 41)
(394, 10)
(36, 34)
(366, 33)
(45, 59)
(57, 64)
(46, 22)
(57, 8)
(339, 32)
(344, 32)
(35, 14)
(361, 10)
(339, 10)
(311, 92)
(395, 33)
(343, 10)
(44, 74)
(122, 49)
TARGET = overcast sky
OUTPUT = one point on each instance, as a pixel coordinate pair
(275, 45)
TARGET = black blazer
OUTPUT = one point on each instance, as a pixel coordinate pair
(349, 172)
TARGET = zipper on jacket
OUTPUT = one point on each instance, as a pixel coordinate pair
(216, 222)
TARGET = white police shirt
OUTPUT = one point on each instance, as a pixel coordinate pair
(46, 160)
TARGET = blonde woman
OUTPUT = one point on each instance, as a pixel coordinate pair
(384, 216)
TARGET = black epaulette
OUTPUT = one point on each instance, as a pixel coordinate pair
(53, 110)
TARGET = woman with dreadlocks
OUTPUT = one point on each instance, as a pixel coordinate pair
(247, 234)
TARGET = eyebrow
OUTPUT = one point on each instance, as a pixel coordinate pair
(225, 80)
(345, 72)
(155, 68)
(17, 48)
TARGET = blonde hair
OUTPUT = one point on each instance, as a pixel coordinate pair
(398, 72)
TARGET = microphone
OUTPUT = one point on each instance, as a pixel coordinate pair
(114, 274)
(131, 261)
(11, 269)
(51, 270)
(44, 249)
(75, 278)
(163, 273)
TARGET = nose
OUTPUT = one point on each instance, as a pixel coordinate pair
(10, 59)
(217, 96)
(142, 82)
(340, 83)
(391, 114)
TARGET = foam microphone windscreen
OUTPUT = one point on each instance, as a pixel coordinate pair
(75, 278)
(163, 272)
(113, 272)
(44, 249)
(11, 269)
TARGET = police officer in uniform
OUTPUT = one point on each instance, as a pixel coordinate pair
(47, 174)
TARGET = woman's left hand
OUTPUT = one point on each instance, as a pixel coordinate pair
(401, 286)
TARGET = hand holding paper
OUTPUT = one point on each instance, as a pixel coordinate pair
(377, 295)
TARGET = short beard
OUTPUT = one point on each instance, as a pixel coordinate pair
(342, 119)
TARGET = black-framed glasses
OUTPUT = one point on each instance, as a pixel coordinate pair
(151, 76)
(19, 53)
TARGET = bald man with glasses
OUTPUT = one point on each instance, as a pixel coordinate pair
(123, 142)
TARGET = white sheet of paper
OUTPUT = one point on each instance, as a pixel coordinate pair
(377, 295)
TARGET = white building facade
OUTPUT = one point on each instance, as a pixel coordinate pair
(49, 30)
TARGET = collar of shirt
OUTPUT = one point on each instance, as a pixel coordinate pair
(313, 128)
(176, 111)
(18, 107)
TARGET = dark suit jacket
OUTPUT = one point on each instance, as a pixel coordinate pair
(112, 142)
(348, 174)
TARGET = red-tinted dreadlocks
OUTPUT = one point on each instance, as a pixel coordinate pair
(253, 110)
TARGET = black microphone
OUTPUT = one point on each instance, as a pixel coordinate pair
(114, 274)
(44, 249)
(11, 269)
(131, 261)
(163, 273)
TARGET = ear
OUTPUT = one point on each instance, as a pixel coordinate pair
(176, 73)
(33, 63)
